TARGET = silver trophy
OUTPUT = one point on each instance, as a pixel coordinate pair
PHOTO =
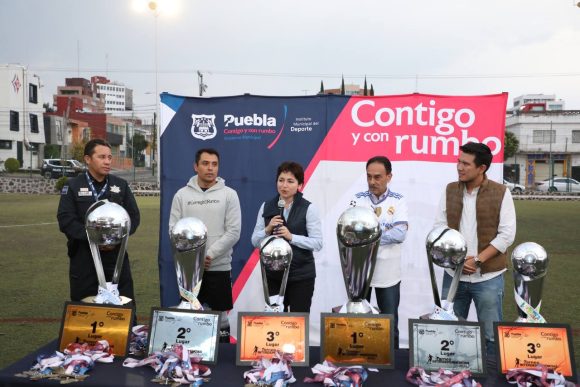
(188, 242)
(446, 248)
(275, 258)
(107, 225)
(530, 262)
(358, 234)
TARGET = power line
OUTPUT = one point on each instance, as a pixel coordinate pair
(312, 75)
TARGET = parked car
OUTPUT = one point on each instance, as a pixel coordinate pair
(515, 188)
(54, 168)
(559, 184)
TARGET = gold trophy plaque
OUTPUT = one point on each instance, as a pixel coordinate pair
(357, 339)
(89, 323)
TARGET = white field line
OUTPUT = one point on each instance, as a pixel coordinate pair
(27, 225)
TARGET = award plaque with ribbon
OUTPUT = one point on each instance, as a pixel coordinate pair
(530, 262)
(275, 259)
(90, 323)
(452, 345)
(198, 331)
(445, 248)
(107, 225)
(535, 347)
(188, 242)
(261, 335)
(358, 234)
(357, 339)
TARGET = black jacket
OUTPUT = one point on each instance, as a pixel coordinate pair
(302, 266)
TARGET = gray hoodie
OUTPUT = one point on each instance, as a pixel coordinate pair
(219, 209)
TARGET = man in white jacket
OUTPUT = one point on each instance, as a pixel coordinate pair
(207, 198)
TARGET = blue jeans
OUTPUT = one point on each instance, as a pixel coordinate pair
(388, 303)
(487, 296)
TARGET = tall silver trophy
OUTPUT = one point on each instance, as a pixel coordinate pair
(275, 260)
(530, 262)
(188, 243)
(107, 225)
(358, 234)
(445, 248)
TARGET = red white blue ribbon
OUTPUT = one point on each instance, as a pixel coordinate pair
(75, 361)
(173, 365)
(275, 372)
(441, 378)
(538, 376)
(333, 376)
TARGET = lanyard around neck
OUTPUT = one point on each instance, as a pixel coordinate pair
(96, 195)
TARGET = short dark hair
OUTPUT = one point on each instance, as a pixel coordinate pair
(292, 167)
(91, 145)
(381, 160)
(211, 151)
(481, 152)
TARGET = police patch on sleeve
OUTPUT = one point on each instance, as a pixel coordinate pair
(64, 190)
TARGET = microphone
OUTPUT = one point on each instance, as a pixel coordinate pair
(281, 204)
(281, 208)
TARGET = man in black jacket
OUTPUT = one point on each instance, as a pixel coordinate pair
(76, 197)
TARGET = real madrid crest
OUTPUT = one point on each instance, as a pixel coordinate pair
(203, 126)
(391, 210)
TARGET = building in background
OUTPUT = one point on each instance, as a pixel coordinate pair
(83, 92)
(21, 121)
(549, 140)
(118, 98)
(540, 102)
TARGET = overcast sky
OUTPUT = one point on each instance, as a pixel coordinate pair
(286, 47)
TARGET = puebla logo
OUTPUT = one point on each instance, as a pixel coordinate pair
(203, 126)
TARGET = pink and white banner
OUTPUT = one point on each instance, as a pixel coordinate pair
(332, 137)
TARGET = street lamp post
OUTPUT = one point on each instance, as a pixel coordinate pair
(153, 6)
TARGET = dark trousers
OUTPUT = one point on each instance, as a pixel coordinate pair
(388, 303)
(83, 275)
(298, 296)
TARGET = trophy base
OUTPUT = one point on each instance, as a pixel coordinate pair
(91, 300)
(441, 314)
(356, 307)
(188, 306)
(274, 308)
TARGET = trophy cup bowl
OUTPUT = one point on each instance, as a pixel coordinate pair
(275, 259)
(358, 235)
(530, 262)
(446, 248)
(188, 239)
(107, 225)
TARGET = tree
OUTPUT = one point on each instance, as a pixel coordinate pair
(77, 151)
(321, 88)
(48, 108)
(342, 86)
(365, 90)
(139, 145)
(51, 151)
(510, 146)
(372, 92)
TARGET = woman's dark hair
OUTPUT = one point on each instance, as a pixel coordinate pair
(292, 167)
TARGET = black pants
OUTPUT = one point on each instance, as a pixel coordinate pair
(83, 275)
(298, 297)
(216, 290)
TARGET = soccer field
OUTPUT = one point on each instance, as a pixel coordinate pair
(34, 267)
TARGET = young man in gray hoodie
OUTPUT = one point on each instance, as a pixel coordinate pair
(207, 198)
